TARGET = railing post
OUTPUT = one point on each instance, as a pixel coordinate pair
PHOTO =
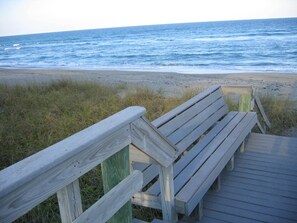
(114, 170)
(70, 202)
(245, 105)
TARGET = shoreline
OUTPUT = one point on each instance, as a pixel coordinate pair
(171, 83)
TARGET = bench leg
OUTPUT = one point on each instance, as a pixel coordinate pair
(242, 146)
(197, 214)
(167, 194)
(216, 186)
(230, 164)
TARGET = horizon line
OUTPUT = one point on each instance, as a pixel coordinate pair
(158, 24)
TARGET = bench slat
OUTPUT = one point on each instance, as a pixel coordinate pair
(185, 143)
(207, 153)
(150, 173)
(171, 114)
(184, 193)
(188, 127)
(200, 130)
(191, 194)
(192, 161)
(191, 112)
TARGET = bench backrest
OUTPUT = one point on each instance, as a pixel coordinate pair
(187, 122)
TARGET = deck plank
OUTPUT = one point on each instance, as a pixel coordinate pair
(273, 211)
(262, 186)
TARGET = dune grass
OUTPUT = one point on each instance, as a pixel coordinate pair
(34, 117)
(282, 114)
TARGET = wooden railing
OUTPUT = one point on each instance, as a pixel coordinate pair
(57, 169)
(248, 101)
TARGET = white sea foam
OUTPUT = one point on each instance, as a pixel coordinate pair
(12, 48)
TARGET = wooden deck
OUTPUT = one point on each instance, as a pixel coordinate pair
(261, 188)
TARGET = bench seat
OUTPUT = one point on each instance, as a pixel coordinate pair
(206, 136)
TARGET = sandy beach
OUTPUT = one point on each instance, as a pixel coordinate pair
(280, 85)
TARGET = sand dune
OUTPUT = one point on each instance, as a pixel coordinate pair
(281, 85)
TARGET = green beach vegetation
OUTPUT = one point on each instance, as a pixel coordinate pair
(35, 117)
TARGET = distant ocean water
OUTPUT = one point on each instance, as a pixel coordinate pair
(262, 46)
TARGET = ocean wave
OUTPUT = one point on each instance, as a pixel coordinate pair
(15, 46)
(12, 48)
(240, 45)
(223, 39)
(173, 64)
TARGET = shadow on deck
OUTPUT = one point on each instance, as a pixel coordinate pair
(261, 188)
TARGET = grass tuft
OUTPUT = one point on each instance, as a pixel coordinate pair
(282, 113)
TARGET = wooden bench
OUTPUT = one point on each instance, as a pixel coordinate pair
(206, 137)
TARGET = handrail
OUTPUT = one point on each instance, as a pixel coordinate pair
(115, 198)
(29, 182)
(254, 101)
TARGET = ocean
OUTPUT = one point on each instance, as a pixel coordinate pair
(248, 46)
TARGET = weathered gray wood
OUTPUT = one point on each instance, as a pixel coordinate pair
(147, 138)
(216, 185)
(276, 143)
(259, 172)
(188, 114)
(268, 182)
(268, 168)
(257, 200)
(151, 201)
(241, 148)
(262, 130)
(224, 217)
(187, 141)
(199, 153)
(289, 169)
(137, 155)
(275, 160)
(247, 214)
(225, 152)
(114, 170)
(150, 174)
(198, 161)
(276, 212)
(273, 137)
(167, 193)
(261, 109)
(188, 127)
(70, 202)
(230, 164)
(34, 179)
(147, 200)
(169, 115)
(50, 178)
(198, 211)
(111, 202)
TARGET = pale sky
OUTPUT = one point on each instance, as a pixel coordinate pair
(38, 16)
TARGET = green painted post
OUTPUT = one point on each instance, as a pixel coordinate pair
(245, 103)
(244, 106)
(114, 170)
